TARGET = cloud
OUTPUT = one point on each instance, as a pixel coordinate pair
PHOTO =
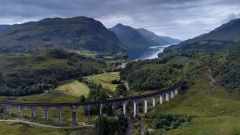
(177, 18)
(230, 17)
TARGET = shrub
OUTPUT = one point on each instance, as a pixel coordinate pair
(170, 121)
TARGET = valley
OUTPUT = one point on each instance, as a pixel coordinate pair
(76, 76)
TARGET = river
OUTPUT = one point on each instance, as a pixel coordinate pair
(145, 53)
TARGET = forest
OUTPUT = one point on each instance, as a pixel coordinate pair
(26, 81)
(151, 75)
(106, 125)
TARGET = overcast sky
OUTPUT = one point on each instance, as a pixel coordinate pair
(181, 19)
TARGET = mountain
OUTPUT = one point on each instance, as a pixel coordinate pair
(4, 27)
(152, 36)
(227, 32)
(171, 40)
(220, 38)
(131, 37)
(77, 33)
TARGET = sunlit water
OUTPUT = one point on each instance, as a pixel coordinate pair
(145, 53)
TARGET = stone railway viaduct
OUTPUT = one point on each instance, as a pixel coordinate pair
(164, 95)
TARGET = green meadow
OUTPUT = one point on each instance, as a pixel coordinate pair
(105, 80)
(74, 88)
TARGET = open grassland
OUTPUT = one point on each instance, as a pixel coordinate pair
(74, 88)
(20, 129)
(86, 53)
(49, 97)
(25, 129)
(215, 111)
(105, 80)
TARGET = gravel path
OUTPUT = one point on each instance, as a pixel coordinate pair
(209, 76)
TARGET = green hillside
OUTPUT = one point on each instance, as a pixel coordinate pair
(212, 106)
(196, 48)
(227, 32)
(25, 74)
(214, 111)
(224, 66)
(220, 58)
(74, 88)
(210, 96)
(78, 33)
(223, 37)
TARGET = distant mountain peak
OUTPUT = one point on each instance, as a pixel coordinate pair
(136, 38)
(122, 26)
(131, 37)
(119, 25)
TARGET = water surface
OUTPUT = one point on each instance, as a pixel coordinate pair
(145, 53)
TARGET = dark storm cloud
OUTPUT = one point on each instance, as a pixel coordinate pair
(178, 18)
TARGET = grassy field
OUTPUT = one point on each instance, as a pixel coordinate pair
(74, 88)
(49, 97)
(215, 111)
(105, 80)
(86, 53)
(25, 129)
(20, 129)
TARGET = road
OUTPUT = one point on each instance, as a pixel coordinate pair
(42, 125)
(131, 125)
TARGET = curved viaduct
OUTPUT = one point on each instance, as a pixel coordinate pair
(164, 95)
